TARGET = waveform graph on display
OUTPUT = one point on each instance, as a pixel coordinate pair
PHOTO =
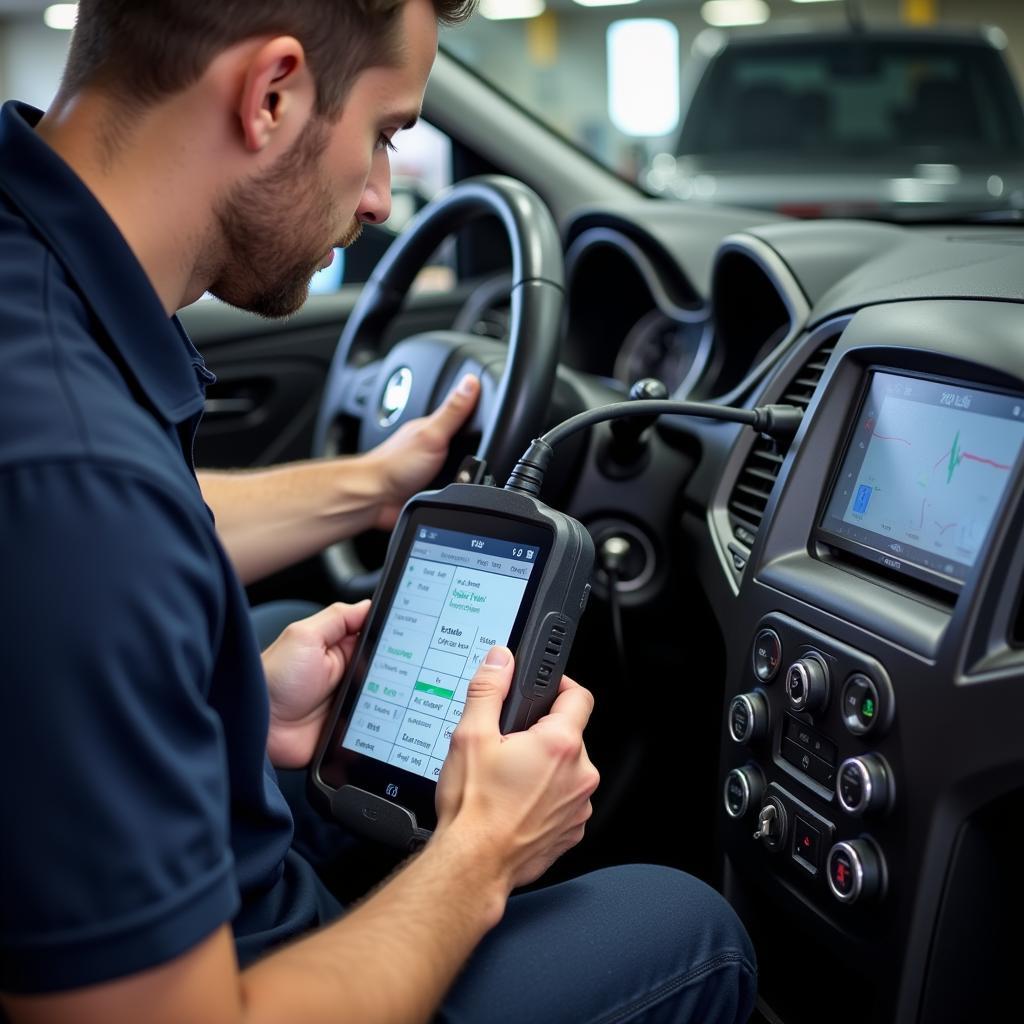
(933, 474)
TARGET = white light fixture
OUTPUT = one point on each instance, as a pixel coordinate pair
(505, 10)
(61, 16)
(605, 3)
(643, 76)
(727, 13)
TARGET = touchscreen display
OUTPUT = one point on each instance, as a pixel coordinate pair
(457, 596)
(925, 473)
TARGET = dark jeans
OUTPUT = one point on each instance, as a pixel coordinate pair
(631, 943)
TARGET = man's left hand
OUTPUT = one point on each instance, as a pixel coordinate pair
(303, 666)
(409, 460)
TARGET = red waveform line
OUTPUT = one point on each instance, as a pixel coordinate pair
(987, 462)
(886, 437)
(974, 458)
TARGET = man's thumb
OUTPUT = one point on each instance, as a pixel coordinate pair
(455, 409)
(337, 621)
(488, 689)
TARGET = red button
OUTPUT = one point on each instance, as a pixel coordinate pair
(842, 872)
(806, 842)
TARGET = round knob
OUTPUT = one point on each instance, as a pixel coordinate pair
(807, 683)
(772, 823)
(866, 704)
(743, 790)
(767, 655)
(856, 871)
(864, 784)
(748, 717)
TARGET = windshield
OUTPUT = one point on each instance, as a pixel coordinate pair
(905, 115)
(856, 100)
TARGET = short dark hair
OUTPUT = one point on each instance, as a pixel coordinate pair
(144, 50)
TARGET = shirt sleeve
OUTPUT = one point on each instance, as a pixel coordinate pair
(114, 802)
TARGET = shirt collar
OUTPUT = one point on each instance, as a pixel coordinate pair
(95, 255)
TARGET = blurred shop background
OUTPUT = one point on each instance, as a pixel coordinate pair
(822, 106)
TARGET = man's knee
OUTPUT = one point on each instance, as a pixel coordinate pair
(703, 966)
(623, 944)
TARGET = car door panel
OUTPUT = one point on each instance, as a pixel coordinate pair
(270, 375)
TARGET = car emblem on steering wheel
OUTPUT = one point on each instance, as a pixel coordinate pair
(396, 396)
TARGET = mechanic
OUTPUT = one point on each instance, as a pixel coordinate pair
(146, 869)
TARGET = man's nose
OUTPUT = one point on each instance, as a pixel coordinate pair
(375, 206)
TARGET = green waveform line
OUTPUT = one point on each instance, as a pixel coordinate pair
(955, 458)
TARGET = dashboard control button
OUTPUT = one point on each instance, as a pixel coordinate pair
(743, 790)
(767, 655)
(748, 717)
(861, 704)
(797, 756)
(864, 784)
(819, 770)
(806, 843)
(855, 871)
(807, 684)
(810, 739)
(772, 824)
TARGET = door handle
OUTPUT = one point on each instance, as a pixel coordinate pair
(219, 408)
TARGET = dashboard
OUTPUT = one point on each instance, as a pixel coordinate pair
(865, 580)
(824, 727)
(878, 657)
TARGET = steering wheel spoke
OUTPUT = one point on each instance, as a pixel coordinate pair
(359, 391)
(343, 407)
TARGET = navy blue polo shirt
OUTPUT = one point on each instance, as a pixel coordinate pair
(138, 811)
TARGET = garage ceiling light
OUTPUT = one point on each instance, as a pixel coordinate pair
(61, 16)
(504, 10)
(643, 76)
(726, 13)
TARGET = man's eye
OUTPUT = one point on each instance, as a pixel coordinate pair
(383, 142)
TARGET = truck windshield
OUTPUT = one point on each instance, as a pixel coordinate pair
(855, 100)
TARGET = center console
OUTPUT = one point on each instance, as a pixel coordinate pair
(872, 722)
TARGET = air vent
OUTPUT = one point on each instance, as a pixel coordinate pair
(754, 485)
(801, 391)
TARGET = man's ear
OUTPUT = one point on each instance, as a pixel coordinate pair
(278, 95)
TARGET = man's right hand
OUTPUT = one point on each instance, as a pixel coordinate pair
(526, 794)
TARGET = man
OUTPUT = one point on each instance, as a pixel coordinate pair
(145, 868)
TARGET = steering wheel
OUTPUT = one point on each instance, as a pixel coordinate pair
(370, 394)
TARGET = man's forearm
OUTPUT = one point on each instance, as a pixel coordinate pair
(391, 959)
(270, 519)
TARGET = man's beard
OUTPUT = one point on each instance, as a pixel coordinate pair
(266, 228)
